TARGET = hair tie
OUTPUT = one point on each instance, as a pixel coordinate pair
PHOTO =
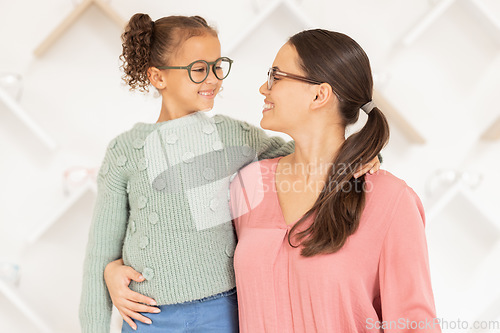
(368, 107)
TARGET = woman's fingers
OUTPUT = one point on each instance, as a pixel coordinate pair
(128, 320)
(139, 298)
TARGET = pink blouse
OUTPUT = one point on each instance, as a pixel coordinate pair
(378, 282)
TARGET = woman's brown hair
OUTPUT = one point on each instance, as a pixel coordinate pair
(336, 59)
(147, 43)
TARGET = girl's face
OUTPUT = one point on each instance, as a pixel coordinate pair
(287, 104)
(181, 94)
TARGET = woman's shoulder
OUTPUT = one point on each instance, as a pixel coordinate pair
(257, 169)
(254, 175)
(383, 179)
(385, 185)
(385, 188)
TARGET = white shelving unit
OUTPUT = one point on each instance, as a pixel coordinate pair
(455, 217)
(439, 202)
(19, 112)
(73, 17)
(272, 8)
(441, 7)
(493, 132)
(487, 274)
(17, 301)
(89, 186)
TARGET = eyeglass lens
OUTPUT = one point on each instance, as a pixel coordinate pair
(270, 78)
(199, 70)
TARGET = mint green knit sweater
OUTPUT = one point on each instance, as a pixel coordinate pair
(162, 206)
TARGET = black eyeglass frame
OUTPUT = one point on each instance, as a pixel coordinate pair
(209, 65)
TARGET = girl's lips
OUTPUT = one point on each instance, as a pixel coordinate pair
(207, 94)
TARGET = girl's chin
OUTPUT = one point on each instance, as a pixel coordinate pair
(206, 106)
(205, 110)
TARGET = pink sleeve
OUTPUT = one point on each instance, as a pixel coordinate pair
(407, 301)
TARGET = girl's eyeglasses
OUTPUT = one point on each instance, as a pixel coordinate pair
(274, 74)
(198, 70)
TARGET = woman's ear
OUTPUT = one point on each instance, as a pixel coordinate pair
(324, 95)
(157, 78)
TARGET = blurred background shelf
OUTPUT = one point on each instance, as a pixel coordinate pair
(65, 206)
(485, 17)
(18, 302)
(11, 104)
(493, 132)
(73, 16)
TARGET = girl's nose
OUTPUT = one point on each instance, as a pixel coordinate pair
(211, 78)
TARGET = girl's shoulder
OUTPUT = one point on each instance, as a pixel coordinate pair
(220, 119)
(133, 137)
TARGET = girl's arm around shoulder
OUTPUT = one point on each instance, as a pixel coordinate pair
(263, 146)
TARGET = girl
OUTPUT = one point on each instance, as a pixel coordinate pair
(162, 200)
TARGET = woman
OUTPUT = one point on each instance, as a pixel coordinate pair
(318, 250)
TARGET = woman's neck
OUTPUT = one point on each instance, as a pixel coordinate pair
(315, 152)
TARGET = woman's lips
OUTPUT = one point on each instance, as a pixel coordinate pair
(267, 106)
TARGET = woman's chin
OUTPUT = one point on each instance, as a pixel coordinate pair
(264, 124)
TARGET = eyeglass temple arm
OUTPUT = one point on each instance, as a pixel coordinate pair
(301, 78)
(172, 67)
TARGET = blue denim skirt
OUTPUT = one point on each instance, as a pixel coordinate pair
(213, 314)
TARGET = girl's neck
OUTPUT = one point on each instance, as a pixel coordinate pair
(169, 114)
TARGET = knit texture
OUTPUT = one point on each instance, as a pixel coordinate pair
(162, 206)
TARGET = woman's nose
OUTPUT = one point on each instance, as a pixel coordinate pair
(263, 89)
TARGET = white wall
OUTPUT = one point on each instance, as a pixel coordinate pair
(445, 84)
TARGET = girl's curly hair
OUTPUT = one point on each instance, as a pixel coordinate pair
(147, 43)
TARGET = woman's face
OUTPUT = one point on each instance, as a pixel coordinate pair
(287, 104)
(181, 93)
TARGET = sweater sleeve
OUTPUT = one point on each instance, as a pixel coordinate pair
(269, 147)
(405, 285)
(105, 241)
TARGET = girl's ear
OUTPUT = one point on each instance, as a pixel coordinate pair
(156, 78)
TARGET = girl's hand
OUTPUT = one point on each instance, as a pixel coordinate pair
(128, 302)
(371, 167)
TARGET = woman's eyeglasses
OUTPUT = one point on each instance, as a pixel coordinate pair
(274, 74)
(198, 70)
